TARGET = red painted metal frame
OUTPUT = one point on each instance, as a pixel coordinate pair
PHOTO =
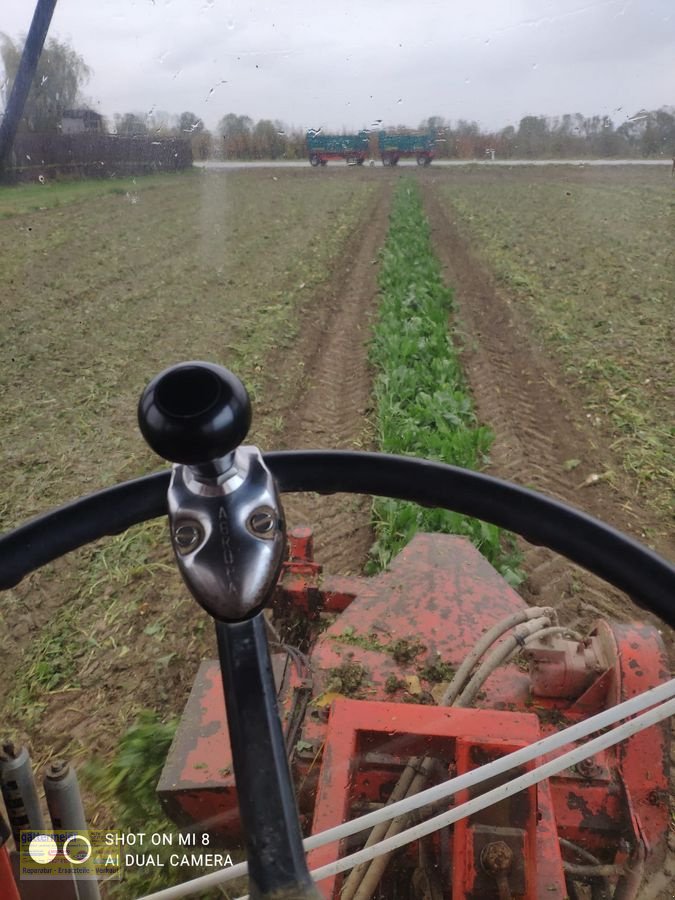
(396, 155)
(8, 888)
(356, 154)
(441, 593)
(454, 734)
(197, 782)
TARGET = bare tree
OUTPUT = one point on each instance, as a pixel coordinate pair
(60, 74)
(130, 125)
(189, 123)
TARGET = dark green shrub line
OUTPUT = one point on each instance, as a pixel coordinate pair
(422, 403)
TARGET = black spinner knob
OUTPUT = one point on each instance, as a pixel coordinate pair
(194, 413)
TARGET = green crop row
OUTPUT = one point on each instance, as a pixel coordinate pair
(422, 403)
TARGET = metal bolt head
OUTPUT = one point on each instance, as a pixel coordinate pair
(588, 768)
(496, 858)
(57, 770)
(187, 536)
(263, 522)
(8, 751)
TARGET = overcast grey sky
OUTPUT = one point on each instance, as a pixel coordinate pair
(351, 62)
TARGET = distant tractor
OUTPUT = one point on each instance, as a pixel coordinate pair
(393, 147)
(353, 148)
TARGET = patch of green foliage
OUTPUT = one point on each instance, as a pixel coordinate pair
(437, 672)
(348, 679)
(394, 684)
(128, 781)
(51, 665)
(422, 402)
(127, 784)
(402, 650)
(367, 642)
(23, 198)
(405, 651)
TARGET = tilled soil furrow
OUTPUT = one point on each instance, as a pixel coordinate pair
(331, 405)
(536, 433)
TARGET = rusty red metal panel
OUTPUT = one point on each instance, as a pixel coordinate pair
(644, 759)
(302, 586)
(397, 638)
(439, 594)
(534, 869)
(301, 545)
(621, 794)
(8, 888)
(197, 782)
(355, 726)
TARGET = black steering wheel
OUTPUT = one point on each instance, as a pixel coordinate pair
(623, 562)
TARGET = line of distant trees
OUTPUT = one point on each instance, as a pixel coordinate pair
(56, 96)
(648, 133)
(159, 124)
(242, 138)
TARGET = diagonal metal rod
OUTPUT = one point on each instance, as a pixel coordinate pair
(32, 50)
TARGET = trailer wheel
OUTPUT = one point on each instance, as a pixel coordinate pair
(422, 160)
(360, 162)
(386, 161)
(314, 159)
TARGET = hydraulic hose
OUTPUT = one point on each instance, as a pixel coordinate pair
(534, 776)
(371, 873)
(610, 716)
(570, 633)
(400, 791)
(498, 656)
(604, 889)
(484, 644)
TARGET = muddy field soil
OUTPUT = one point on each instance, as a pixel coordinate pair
(93, 640)
(100, 295)
(545, 435)
(586, 255)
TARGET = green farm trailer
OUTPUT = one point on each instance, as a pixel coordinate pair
(353, 148)
(393, 147)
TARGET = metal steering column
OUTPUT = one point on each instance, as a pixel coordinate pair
(228, 534)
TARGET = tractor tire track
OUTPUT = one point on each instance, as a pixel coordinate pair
(331, 404)
(519, 394)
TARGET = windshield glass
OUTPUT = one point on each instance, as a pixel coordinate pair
(432, 230)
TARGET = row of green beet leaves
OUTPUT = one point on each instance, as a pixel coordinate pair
(422, 402)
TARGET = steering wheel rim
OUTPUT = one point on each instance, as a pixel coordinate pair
(611, 555)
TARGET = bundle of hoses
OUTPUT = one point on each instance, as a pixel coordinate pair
(462, 690)
(659, 703)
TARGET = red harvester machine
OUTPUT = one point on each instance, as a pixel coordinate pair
(362, 698)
